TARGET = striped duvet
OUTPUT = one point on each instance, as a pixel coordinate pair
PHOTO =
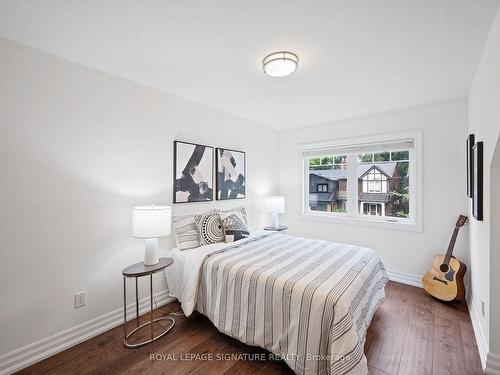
(307, 301)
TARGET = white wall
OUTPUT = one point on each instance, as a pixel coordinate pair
(444, 127)
(484, 122)
(495, 248)
(78, 149)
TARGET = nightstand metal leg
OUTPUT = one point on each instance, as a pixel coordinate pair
(136, 302)
(151, 293)
(124, 306)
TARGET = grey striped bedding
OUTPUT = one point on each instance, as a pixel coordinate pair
(308, 301)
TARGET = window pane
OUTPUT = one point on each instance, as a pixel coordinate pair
(400, 192)
(384, 185)
(327, 189)
(400, 155)
(382, 156)
(314, 161)
(327, 160)
(339, 159)
(365, 158)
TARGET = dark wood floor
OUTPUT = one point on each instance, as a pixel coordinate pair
(411, 333)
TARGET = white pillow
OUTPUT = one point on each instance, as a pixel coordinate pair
(186, 232)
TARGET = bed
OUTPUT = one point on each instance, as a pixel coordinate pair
(307, 301)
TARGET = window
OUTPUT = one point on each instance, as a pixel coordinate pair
(324, 172)
(322, 188)
(385, 184)
(369, 180)
(374, 181)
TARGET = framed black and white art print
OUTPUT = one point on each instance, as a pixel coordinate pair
(231, 174)
(193, 172)
(477, 196)
(470, 164)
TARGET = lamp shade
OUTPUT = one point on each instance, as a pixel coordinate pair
(151, 221)
(274, 205)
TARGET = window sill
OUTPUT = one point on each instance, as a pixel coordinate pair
(362, 221)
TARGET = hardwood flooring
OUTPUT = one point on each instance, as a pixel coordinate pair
(411, 334)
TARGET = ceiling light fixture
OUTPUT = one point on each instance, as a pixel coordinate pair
(280, 64)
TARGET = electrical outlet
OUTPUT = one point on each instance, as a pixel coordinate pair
(483, 308)
(80, 299)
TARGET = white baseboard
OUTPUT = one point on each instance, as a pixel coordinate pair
(32, 353)
(405, 278)
(482, 345)
(489, 361)
(492, 364)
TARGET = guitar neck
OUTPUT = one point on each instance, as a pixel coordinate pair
(449, 252)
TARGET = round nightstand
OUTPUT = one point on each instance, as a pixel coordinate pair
(281, 228)
(138, 270)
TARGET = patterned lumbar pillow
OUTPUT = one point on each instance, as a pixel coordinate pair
(235, 224)
(186, 232)
(209, 227)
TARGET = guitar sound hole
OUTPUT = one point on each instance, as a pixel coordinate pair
(444, 268)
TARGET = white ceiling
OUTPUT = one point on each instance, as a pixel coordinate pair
(356, 57)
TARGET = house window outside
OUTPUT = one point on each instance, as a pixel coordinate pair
(369, 181)
(322, 188)
(374, 182)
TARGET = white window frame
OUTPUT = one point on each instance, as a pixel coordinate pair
(413, 223)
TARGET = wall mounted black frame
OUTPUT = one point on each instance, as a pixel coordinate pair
(477, 197)
(219, 174)
(469, 145)
(210, 195)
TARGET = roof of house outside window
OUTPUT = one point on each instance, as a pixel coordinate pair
(339, 174)
(374, 197)
(321, 197)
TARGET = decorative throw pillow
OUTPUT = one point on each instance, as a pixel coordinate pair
(235, 224)
(186, 232)
(209, 227)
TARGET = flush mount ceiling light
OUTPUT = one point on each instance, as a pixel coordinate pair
(280, 64)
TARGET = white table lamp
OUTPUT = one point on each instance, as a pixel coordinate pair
(151, 222)
(275, 206)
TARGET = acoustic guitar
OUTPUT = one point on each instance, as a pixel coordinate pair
(445, 280)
